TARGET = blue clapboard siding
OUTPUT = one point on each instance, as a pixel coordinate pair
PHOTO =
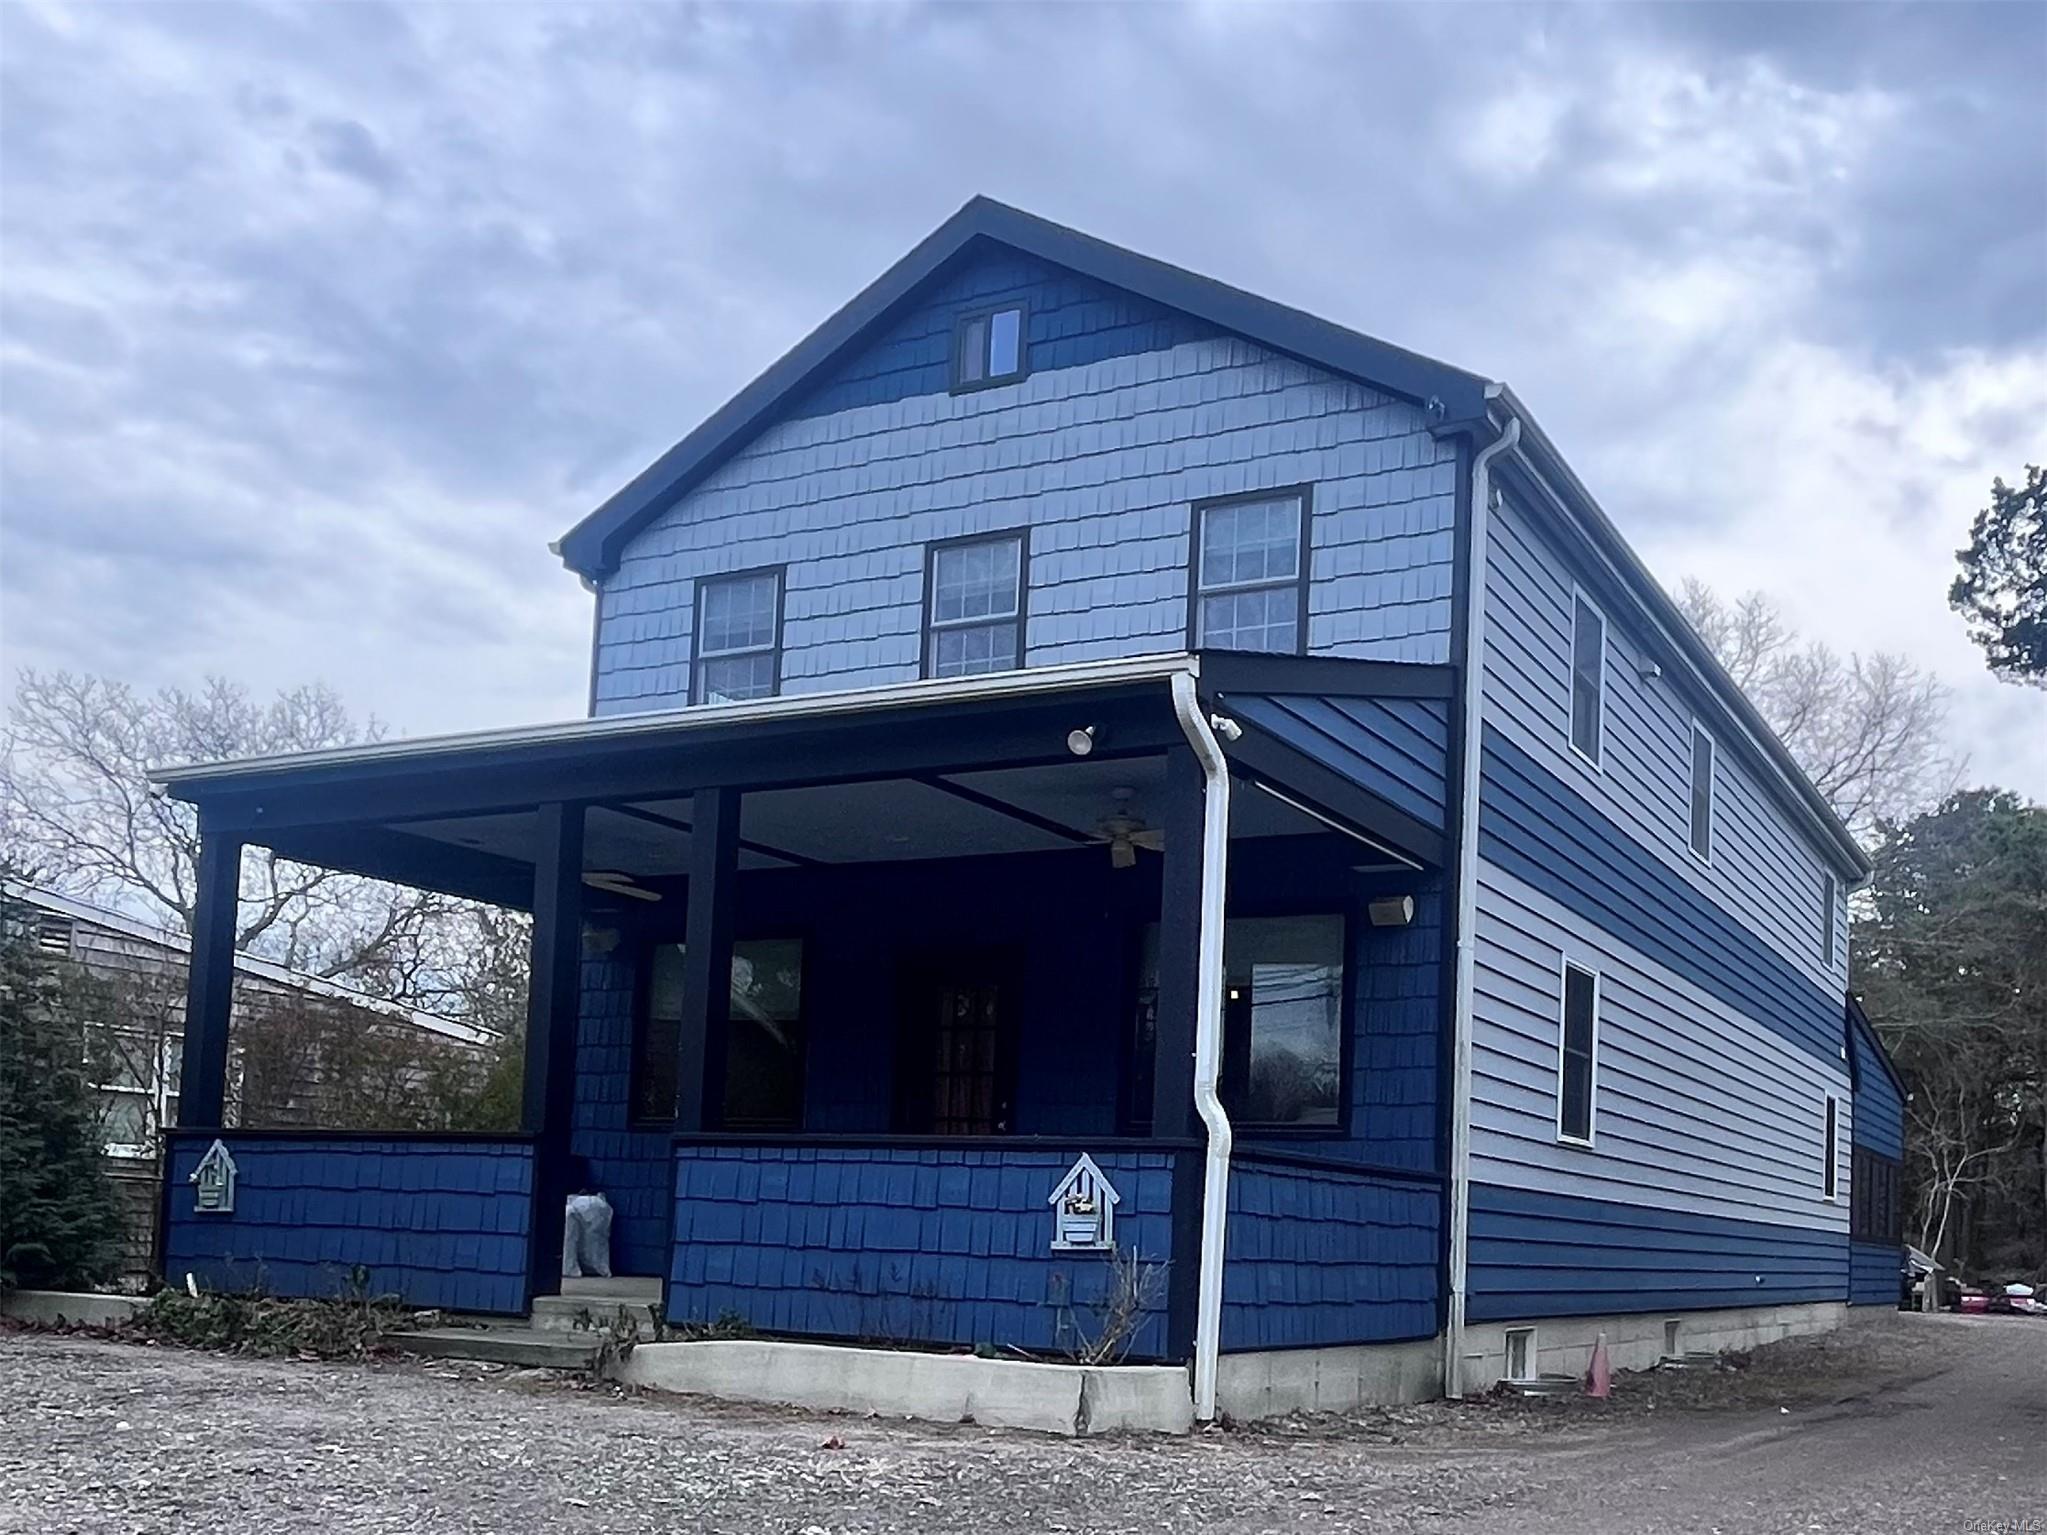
(1545, 832)
(1873, 1278)
(630, 1166)
(1765, 873)
(923, 1244)
(1397, 748)
(1536, 1255)
(436, 1222)
(1319, 1257)
(1697, 1107)
(1099, 458)
(1879, 1107)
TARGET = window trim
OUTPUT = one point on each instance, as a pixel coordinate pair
(1830, 914)
(1830, 1150)
(928, 626)
(1701, 733)
(1597, 759)
(696, 648)
(1565, 966)
(957, 385)
(1197, 514)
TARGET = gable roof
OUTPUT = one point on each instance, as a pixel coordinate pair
(592, 546)
(1456, 400)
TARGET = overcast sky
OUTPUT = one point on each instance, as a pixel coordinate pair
(320, 322)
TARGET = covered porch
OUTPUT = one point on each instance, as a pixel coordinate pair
(830, 992)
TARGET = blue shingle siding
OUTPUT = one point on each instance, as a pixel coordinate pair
(1320, 1257)
(1879, 1110)
(925, 1244)
(1100, 458)
(439, 1223)
(1697, 1107)
(630, 1166)
(1765, 873)
(1541, 829)
(1071, 322)
(1536, 1254)
(1397, 748)
(1874, 1270)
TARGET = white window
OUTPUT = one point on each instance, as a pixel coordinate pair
(1830, 1176)
(1577, 1055)
(739, 642)
(1250, 588)
(975, 619)
(1829, 898)
(1702, 792)
(989, 348)
(1588, 679)
(1521, 1353)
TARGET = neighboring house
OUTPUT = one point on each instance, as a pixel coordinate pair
(295, 1037)
(1063, 704)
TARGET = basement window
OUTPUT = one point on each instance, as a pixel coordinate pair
(988, 348)
(1520, 1353)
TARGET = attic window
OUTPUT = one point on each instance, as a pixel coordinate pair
(988, 348)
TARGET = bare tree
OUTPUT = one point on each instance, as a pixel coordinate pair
(75, 792)
(1870, 731)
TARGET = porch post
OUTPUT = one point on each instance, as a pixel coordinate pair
(1173, 1114)
(210, 980)
(707, 960)
(551, 1004)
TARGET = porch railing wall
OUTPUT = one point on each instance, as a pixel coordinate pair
(909, 1243)
(436, 1220)
(1320, 1255)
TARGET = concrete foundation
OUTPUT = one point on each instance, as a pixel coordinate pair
(63, 1306)
(1563, 1345)
(939, 1388)
(1279, 1381)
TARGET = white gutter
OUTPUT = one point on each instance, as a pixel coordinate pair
(1208, 1028)
(1467, 901)
(821, 705)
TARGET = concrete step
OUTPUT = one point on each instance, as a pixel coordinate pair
(531, 1347)
(587, 1305)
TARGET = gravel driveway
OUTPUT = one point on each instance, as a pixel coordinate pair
(1942, 1423)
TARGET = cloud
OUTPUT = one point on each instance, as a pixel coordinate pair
(317, 323)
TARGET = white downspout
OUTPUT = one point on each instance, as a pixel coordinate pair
(1467, 902)
(1208, 1024)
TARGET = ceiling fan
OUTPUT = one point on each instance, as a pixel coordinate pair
(1125, 832)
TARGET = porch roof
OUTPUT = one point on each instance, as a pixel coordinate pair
(922, 769)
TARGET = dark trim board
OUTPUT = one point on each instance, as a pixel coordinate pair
(1257, 1154)
(378, 1137)
(1003, 807)
(1224, 672)
(810, 1140)
(593, 546)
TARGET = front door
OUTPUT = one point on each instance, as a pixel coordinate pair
(956, 1044)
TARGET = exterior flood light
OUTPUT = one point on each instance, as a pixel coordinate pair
(1392, 911)
(1082, 741)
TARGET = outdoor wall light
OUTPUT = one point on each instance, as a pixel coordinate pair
(1392, 911)
(1082, 741)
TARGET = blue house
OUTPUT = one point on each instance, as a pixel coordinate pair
(1069, 707)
